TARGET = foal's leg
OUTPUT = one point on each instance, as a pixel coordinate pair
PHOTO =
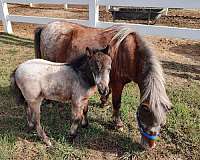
(77, 114)
(84, 122)
(61, 109)
(30, 118)
(116, 100)
(104, 99)
(35, 108)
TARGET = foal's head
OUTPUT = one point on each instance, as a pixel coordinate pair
(100, 65)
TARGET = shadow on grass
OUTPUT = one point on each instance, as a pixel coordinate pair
(15, 40)
(98, 136)
(182, 70)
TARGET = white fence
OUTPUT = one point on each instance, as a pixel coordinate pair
(93, 20)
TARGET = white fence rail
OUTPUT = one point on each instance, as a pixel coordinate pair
(94, 15)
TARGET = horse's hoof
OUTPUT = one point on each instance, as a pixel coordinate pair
(72, 135)
(102, 105)
(119, 125)
(48, 142)
(28, 129)
(71, 138)
(121, 128)
(85, 124)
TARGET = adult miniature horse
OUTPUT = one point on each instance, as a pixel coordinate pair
(39, 79)
(132, 60)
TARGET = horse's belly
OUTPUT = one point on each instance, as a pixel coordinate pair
(58, 95)
(57, 89)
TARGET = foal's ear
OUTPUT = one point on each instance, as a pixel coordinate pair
(105, 50)
(88, 52)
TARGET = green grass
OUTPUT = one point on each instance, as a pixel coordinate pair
(180, 138)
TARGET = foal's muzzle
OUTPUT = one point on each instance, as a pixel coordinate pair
(103, 90)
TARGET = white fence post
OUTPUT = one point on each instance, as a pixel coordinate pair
(32, 5)
(107, 7)
(4, 13)
(166, 11)
(65, 6)
(93, 13)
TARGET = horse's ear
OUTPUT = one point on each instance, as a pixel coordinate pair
(105, 50)
(88, 51)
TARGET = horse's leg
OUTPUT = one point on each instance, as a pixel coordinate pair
(104, 99)
(35, 107)
(30, 118)
(84, 122)
(77, 114)
(116, 100)
(61, 109)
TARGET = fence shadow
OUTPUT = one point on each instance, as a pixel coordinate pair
(182, 70)
(188, 50)
(15, 40)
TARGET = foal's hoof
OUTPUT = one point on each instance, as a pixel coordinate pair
(121, 128)
(71, 138)
(28, 129)
(47, 142)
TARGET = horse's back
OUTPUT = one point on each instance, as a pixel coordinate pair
(35, 68)
(62, 41)
(40, 77)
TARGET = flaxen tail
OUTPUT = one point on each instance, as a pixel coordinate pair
(15, 90)
(37, 42)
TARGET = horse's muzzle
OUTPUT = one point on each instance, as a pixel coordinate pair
(147, 143)
(103, 90)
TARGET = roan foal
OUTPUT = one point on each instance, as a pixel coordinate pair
(37, 79)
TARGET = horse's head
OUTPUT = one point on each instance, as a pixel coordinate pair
(100, 65)
(150, 123)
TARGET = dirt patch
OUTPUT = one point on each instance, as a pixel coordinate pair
(25, 150)
(180, 59)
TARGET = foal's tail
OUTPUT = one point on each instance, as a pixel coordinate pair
(16, 90)
(37, 42)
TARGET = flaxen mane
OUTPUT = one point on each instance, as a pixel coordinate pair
(153, 88)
